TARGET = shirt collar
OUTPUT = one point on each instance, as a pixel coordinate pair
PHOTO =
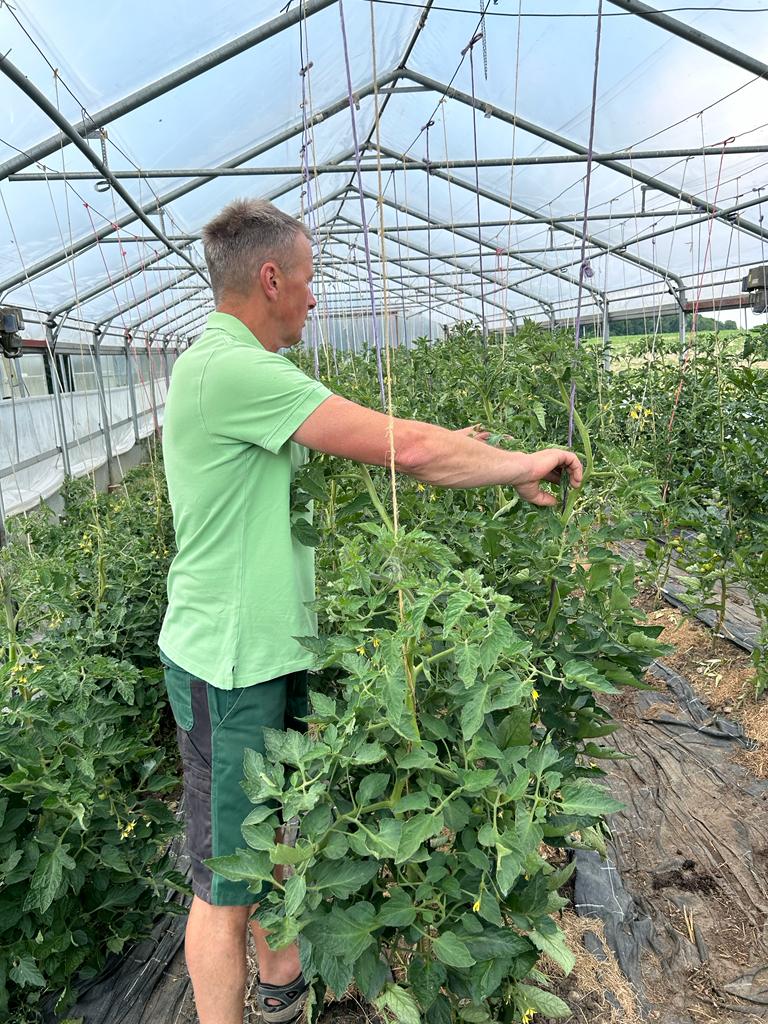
(233, 327)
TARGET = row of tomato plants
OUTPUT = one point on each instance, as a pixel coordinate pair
(455, 711)
(455, 749)
(86, 754)
(703, 427)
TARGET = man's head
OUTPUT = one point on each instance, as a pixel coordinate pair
(260, 264)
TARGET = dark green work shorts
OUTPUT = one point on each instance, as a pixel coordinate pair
(214, 727)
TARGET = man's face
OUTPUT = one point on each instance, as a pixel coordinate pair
(297, 298)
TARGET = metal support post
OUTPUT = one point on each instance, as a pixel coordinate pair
(131, 390)
(152, 394)
(51, 338)
(681, 320)
(105, 423)
(3, 535)
(165, 362)
(606, 335)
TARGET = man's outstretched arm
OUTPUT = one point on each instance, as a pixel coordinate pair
(432, 454)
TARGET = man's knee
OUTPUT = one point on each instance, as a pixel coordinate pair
(221, 916)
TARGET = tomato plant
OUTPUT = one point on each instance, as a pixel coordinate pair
(453, 739)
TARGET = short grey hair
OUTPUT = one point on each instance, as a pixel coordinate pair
(241, 238)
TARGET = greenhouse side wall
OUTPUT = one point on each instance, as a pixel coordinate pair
(33, 466)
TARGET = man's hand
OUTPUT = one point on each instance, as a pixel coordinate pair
(548, 465)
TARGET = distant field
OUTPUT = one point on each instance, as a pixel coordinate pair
(635, 345)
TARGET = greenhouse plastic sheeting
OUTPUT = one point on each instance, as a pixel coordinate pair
(29, 428)
(656, 91)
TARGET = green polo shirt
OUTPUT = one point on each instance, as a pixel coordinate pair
(239, 584)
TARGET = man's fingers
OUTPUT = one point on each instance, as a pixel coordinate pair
(567, 461)
(543, 499)
(575, 469)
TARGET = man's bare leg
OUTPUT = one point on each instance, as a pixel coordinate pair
(214, 946)
(276, 967)
(215, 953)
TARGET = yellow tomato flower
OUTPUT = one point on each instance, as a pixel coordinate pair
(125, 832)
(535, 696)
(476, 905)
(634, 414)
(420, 487)
(528, 1015)
(376, 642)
(360, 651)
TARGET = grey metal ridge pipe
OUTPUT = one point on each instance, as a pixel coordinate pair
(693, 35)
(163, 85)
(39, 99)
(556, 219)
(369, 167)
(560, 140)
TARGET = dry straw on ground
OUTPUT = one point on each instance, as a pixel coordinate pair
(596, 990)
(721, 674)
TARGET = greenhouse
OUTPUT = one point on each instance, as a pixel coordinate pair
(407, 663)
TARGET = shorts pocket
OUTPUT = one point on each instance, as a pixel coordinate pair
(178, 685)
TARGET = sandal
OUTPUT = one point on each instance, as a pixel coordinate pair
(282, 1004)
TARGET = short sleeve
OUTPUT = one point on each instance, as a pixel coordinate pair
(256, 396)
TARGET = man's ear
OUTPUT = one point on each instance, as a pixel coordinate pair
(268, 278)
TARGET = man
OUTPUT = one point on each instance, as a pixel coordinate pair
(238, 420)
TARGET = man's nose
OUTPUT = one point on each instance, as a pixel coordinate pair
(312, 299)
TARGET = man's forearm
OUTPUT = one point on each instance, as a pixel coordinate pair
(447, 459)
